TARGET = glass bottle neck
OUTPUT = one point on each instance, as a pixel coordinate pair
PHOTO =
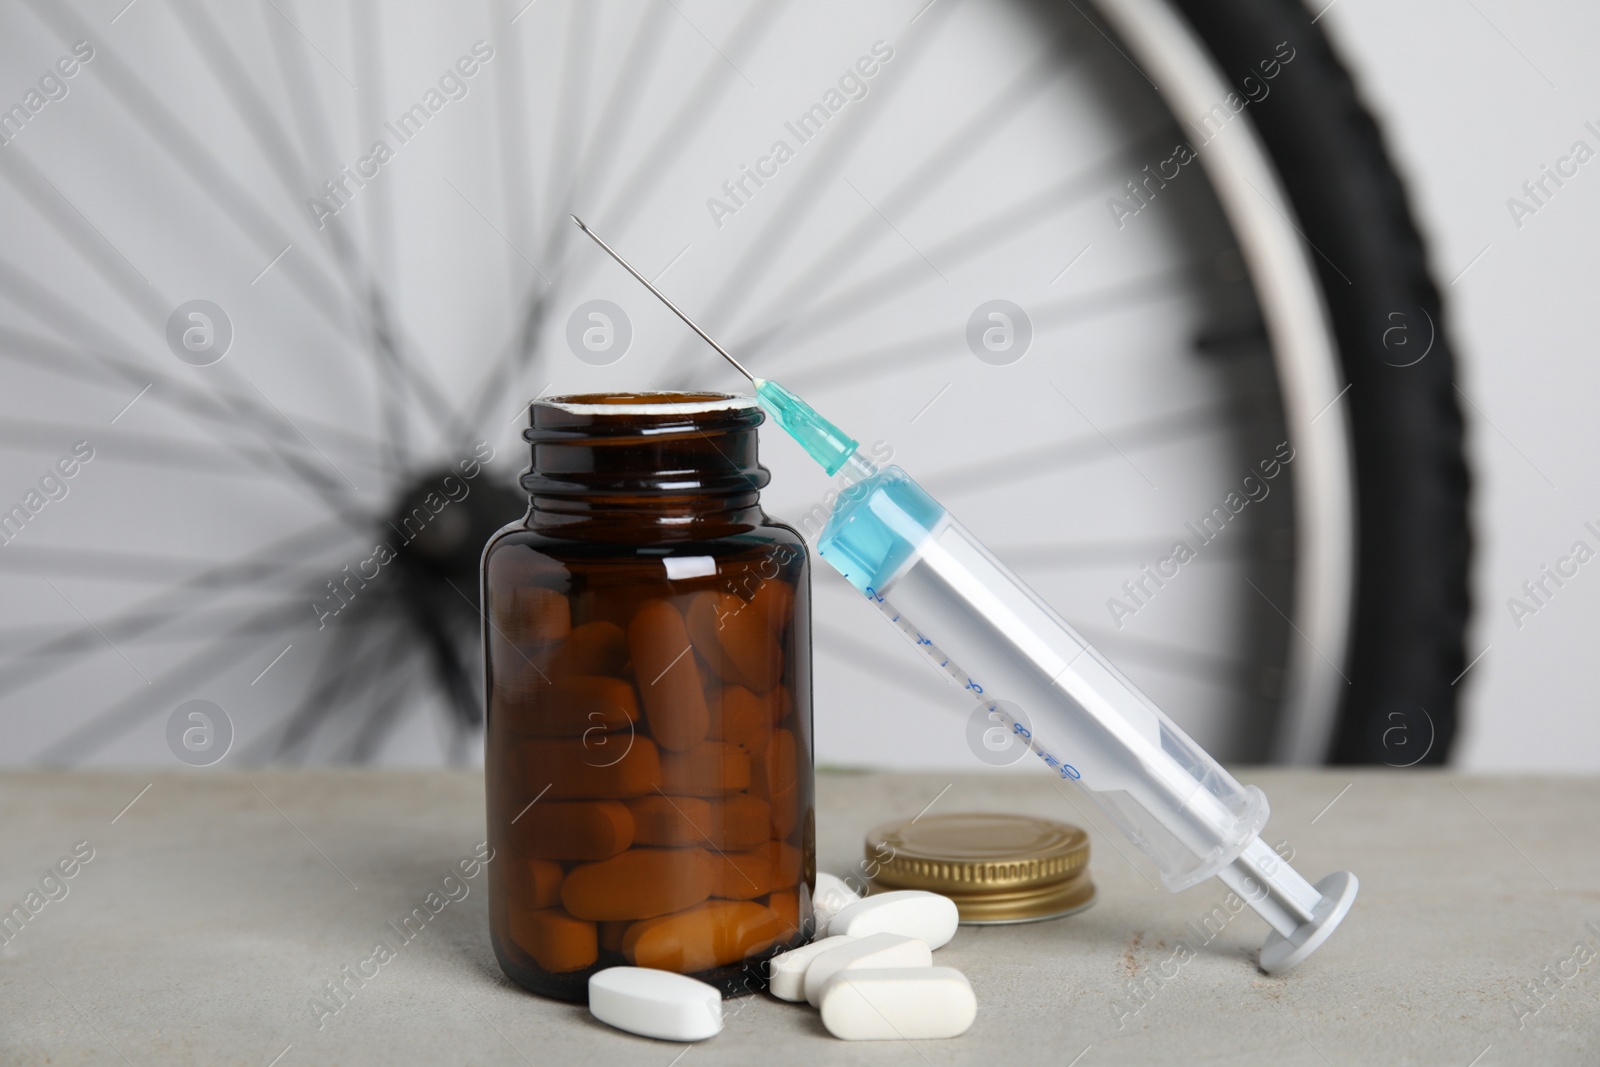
(652, 466)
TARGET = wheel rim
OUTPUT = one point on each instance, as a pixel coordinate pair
(1306, 355)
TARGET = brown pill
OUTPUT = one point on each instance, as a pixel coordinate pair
(743, 821)
(703, 615)
(713, 692)
(639, 884)
(532, 616)
(520, 674)
(777, 769)
(735, 725)
(576, 706)
(749, 644)
(786, 906)
(709, 769)
(786, 860)
(736, 822)
(774, 772)
(611, 933)
(714, 934)
(756, 747)
(773, 601)
(544, 886)
(574, 829)
(735, 640)
(668, 676)
(556, 941)
(742, 875)
(670, 822)
(593, 648)
(596, 766)
(785, 808)
(779, 703)
(614, 596)
(738, 715)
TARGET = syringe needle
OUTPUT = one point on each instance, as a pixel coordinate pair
(825, 442)
(612, 252)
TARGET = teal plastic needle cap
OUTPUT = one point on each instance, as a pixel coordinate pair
(822, 440)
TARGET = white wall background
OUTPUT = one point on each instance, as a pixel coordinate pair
(1475, 97)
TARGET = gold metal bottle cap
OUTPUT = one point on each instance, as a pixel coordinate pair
(998, 868)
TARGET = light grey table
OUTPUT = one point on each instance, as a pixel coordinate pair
(218, 905)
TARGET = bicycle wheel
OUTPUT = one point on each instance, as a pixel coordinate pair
(1413, 540)
(375, 320)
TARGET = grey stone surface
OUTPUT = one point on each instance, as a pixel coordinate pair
(216, 907)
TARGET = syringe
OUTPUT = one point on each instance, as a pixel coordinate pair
(945, 591)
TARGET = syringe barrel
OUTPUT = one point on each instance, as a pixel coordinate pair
(996, 638)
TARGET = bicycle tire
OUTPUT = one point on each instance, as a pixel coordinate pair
(1406, 652)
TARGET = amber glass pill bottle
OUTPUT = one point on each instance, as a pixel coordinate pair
(648, 676)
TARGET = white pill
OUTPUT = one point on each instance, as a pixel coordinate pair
(654, 1003)
(878, 951)
(787, 971)
(872, 1004)
(833, 893)
(927, 917)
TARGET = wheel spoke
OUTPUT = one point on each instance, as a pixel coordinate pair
(74, 228)
(393, 370)
(351, 659)
(1058, 456)
(675, 137)
(936, 166)
(846, 649)
(679, 132)
(787, 220)
(1207, 666)
(268, 562)
(911, 273)
(107, 726)
(432, 620)
(219, 409)
(851, 370)
(78, 362)
(563, 175)
(1092, 555)
(390, 698)
(167, 453)
(571, 104)
(194, 159)
(140, 568)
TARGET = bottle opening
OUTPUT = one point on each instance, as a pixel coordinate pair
(677, 454)
(647, 403)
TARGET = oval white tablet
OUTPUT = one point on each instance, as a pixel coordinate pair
(833, 893)
(869, 1004)
(640, 1000)
(879, 951)
(786, 972)
(928, 917)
